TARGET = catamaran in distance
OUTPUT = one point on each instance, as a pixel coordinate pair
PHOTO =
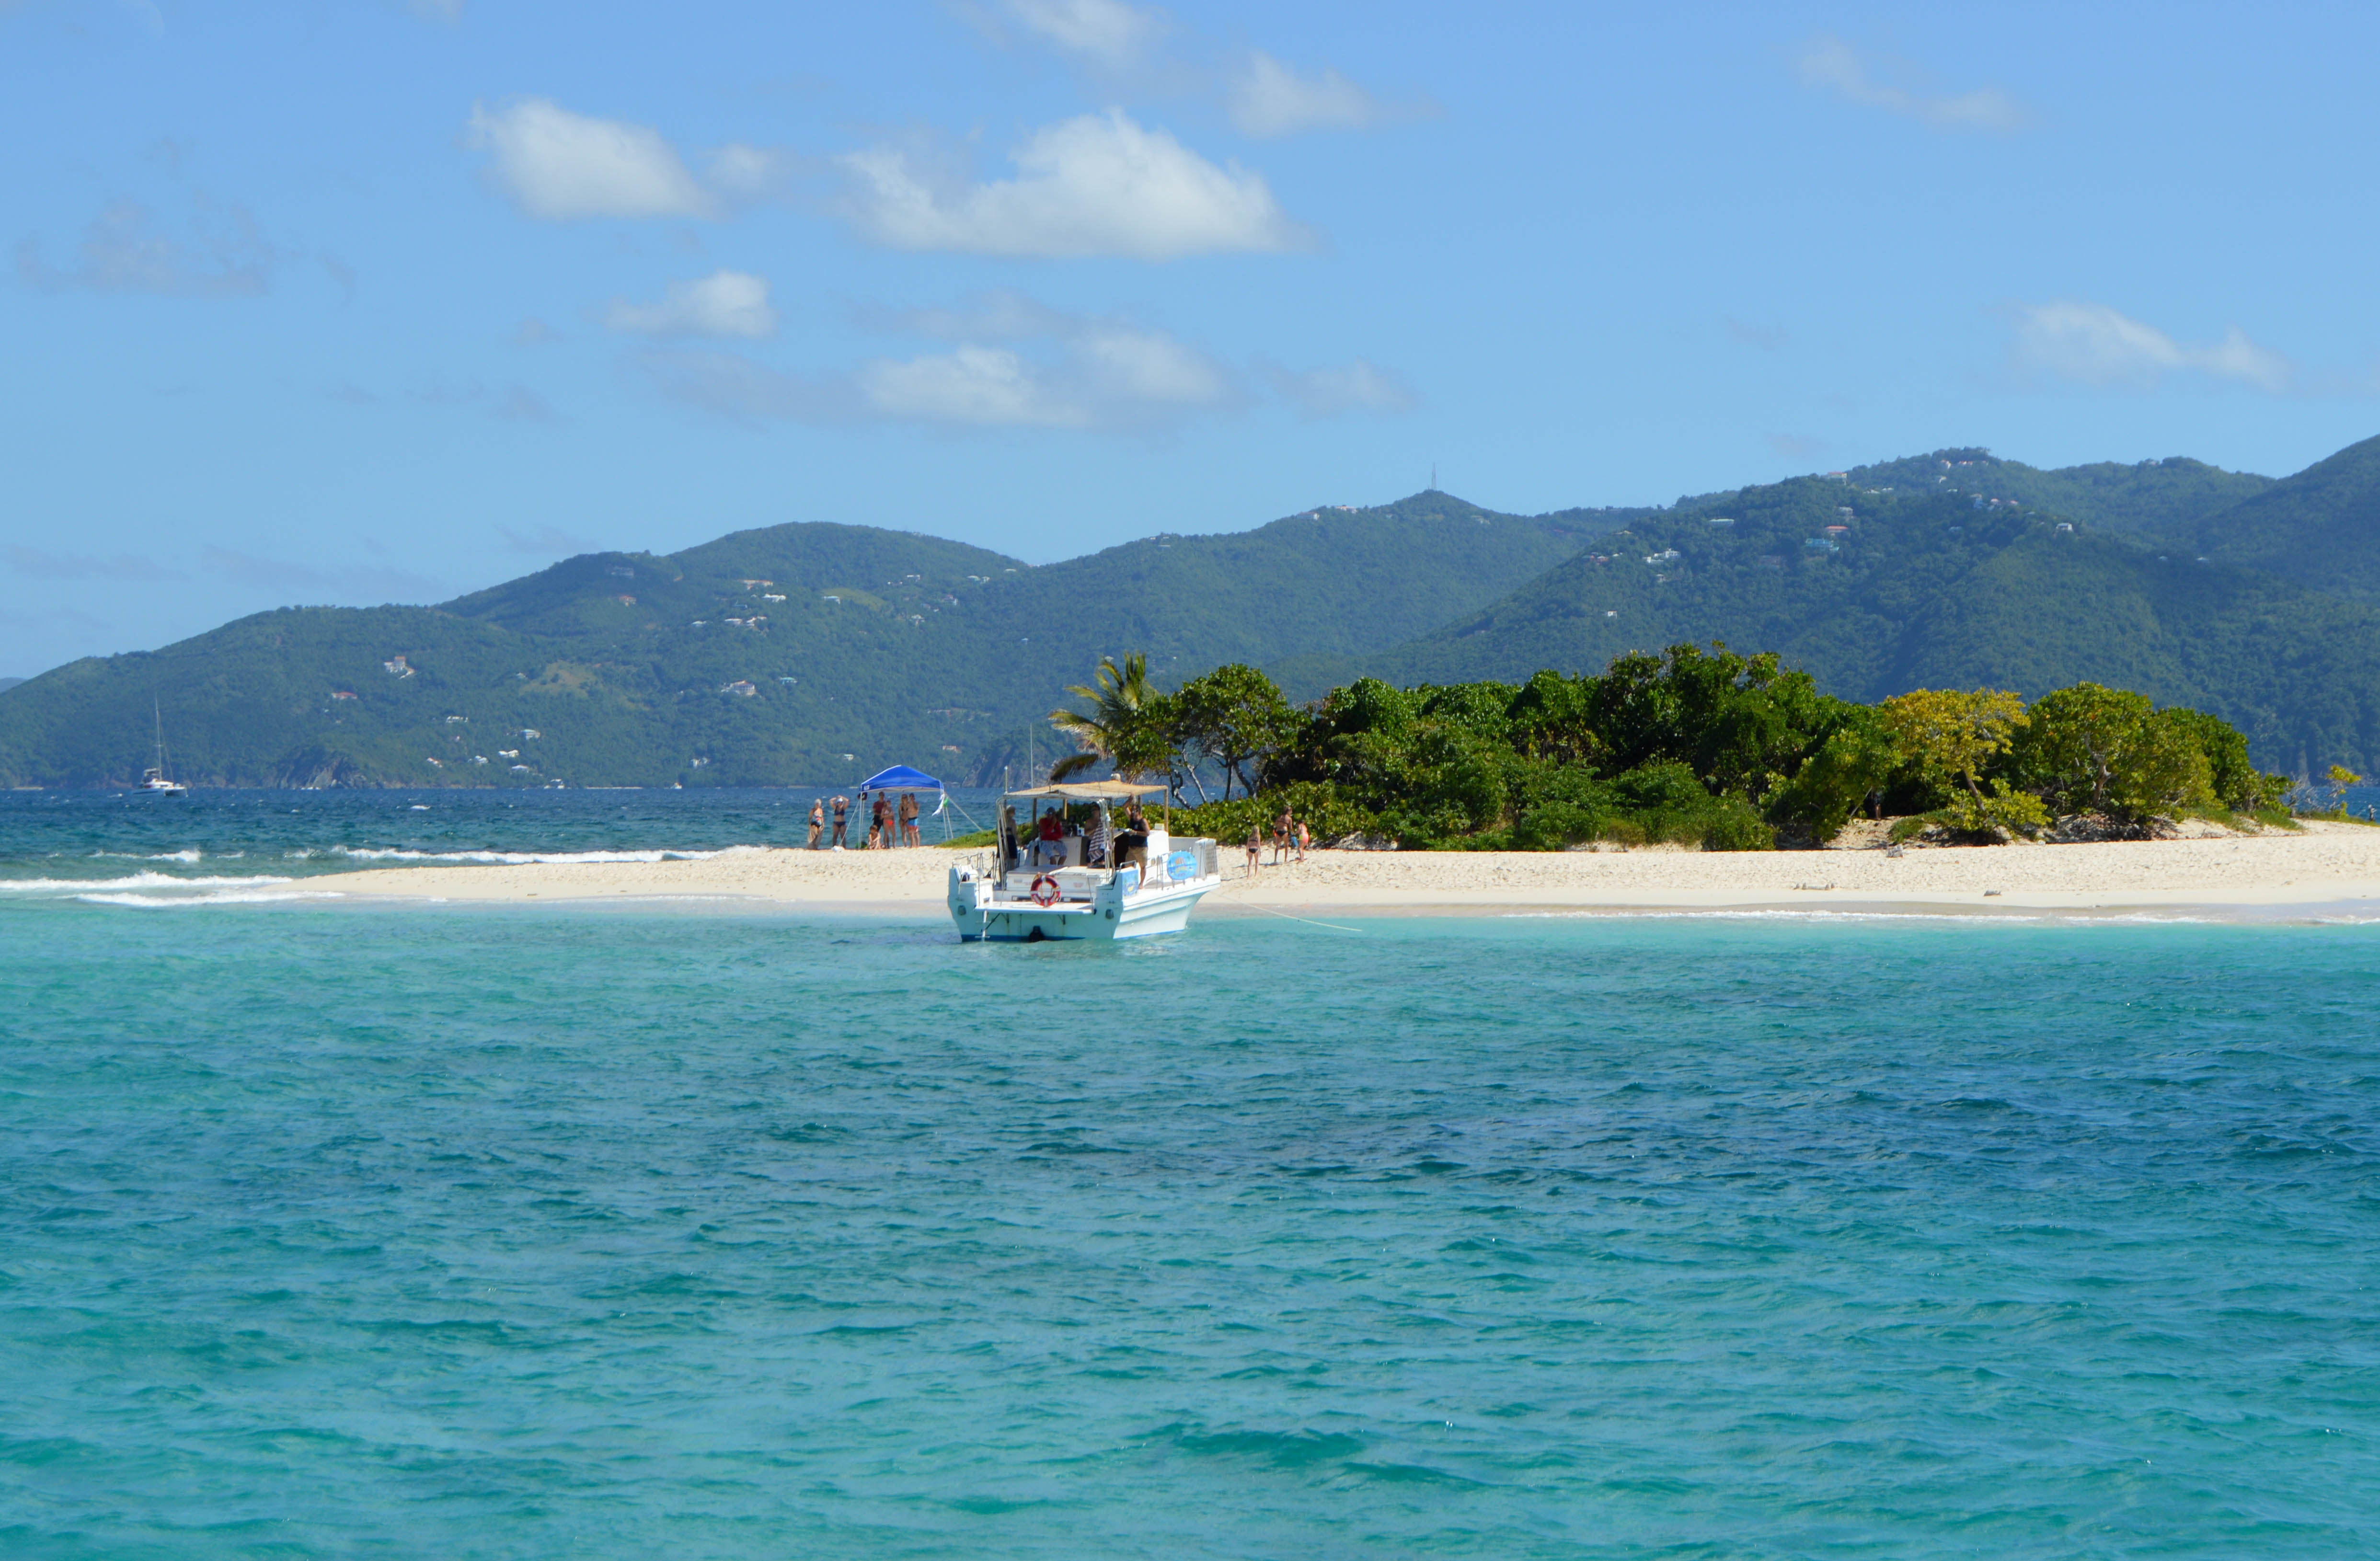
(154, 779)
(1063, 870)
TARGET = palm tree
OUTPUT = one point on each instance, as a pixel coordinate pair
(1119, 694)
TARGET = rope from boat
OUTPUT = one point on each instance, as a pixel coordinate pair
(1284, 915)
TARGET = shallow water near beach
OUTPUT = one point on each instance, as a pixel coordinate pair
(494, 1232)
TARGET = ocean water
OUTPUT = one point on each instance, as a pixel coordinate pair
(226, 846)
(484, 1232)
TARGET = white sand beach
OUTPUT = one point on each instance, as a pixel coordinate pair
(2328, 865)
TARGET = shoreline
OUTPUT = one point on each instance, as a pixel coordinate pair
(2327, 867)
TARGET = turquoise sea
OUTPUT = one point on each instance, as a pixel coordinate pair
(328, 1230)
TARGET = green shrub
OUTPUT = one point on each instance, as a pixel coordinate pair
(1316, 804)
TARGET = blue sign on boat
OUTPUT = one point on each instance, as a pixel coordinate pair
(1182, 865)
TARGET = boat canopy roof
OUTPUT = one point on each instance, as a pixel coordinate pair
(1091, 791)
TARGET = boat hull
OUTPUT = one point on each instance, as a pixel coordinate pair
(983, 916)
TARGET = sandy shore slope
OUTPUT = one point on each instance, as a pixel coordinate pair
(2328, 865)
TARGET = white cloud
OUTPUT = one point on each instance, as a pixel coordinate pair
(557, 165)
(1105, 31)
(125, 249)
(1831, 65)
(1361, 386)
(2096, 346)
(1270, 99)
(745, 173)
(725, 302)
(1013, 363)
(1100, 374)
(1097, 185)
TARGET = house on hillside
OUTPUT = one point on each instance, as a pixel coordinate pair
(396, 666)
(341, 694)
(740, 687)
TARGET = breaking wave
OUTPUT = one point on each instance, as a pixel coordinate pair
(135, 881)
(511, 859)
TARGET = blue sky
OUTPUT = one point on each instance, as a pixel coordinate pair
(374, 301)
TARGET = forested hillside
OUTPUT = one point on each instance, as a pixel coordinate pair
(1880, 590)
(761, 658)
(2320, 527)
(767, 656)
(2148, 498)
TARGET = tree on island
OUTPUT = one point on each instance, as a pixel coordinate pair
(1119, 726)
(1953, 735)
(1698, 746)
(2104, 750)
(1234, 715)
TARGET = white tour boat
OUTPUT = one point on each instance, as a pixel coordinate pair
(1047, 879)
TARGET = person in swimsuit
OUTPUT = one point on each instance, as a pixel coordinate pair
(879, 827)
(909, 819)
(817, 821)
(842, 817)
(1255, 848)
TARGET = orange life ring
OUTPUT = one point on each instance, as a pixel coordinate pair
(1044, 900)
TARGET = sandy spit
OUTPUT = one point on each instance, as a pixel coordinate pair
(2328, 866)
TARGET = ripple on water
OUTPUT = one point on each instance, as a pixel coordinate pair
(633, 1236)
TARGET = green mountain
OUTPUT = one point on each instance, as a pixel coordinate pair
(767, 656)
(1875, 591)
(2320, 527)
(762, 657)
(2145, 499)
(7, 683)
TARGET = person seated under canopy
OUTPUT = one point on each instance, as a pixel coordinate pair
(1049, 841)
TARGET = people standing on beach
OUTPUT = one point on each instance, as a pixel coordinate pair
(1302, 839)
(817, 821)
(841, 813)
(880, 830)
(909, 819)
(1255, 848)
(1280, 830)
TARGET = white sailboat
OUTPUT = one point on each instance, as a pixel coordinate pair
(155, 781)
(1043, 882)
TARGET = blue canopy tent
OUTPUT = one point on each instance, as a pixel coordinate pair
(901, 778)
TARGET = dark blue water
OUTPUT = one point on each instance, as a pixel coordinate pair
(223, 846)
(452, 1233)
